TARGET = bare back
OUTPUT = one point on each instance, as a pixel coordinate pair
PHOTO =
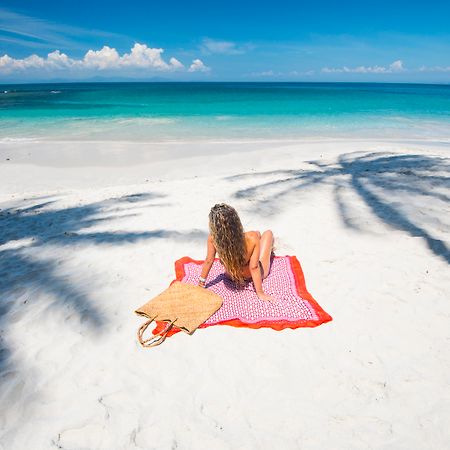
(251, 239)
(259, 248)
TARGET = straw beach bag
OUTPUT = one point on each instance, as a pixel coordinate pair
(185, 305)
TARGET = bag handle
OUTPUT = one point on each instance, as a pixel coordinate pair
(157, 339)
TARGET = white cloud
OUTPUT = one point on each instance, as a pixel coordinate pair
(101, 59)
(209, 46)
(268, 73)
(301, 73)
(143, 56)
(396, 66)
(198, 66)
(264, 73)
(59, 59)
(434, 69)
(282, 75)
(8, 64)
(176, 64)
(140, 57)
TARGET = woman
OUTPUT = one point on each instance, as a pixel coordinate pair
(245, 255)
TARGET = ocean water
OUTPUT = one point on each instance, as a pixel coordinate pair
(155, 112)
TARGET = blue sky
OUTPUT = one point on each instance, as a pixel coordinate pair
(237, 41)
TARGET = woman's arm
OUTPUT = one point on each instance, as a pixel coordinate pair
(210, 255)
(256, 273)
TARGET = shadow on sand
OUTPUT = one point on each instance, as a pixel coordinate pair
(29, 228)
(406, 192)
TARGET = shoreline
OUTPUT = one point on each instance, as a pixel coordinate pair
(306, 139)
(57, 166)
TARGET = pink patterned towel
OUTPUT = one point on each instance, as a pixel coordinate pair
(293, 307)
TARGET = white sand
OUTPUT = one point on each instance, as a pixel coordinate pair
(88, 232)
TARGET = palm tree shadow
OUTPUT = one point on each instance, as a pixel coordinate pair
(29, 228)
(406, 192)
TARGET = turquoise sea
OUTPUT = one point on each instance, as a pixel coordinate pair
(219, 111)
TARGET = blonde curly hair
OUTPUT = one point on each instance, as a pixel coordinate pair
(228, 237)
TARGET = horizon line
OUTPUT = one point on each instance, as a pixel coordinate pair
(8, 83)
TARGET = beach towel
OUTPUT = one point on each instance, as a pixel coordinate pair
(294, 306)
(183, 304)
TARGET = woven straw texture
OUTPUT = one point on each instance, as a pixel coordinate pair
(187, 305)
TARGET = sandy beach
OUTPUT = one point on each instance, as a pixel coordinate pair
(90, 231)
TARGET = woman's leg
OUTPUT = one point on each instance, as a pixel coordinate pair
(265, 246)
